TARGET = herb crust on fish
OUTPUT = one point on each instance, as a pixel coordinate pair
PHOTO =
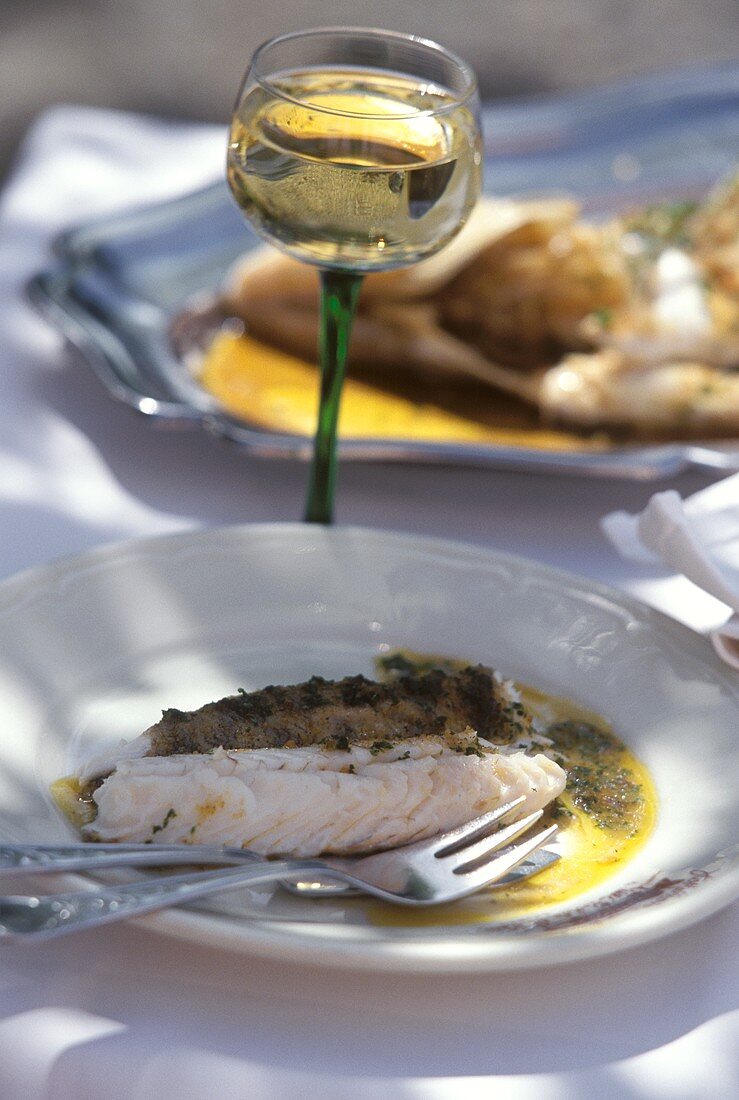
(351, 709)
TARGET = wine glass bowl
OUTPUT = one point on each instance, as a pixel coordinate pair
(354, 150)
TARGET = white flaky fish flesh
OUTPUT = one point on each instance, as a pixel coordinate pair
(311, 799)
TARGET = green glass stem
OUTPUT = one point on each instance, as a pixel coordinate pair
(339, 297)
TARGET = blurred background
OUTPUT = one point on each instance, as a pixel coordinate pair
(185, 58)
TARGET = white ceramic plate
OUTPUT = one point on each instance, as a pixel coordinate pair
(92, 648)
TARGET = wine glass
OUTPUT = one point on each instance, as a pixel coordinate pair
(355, 150)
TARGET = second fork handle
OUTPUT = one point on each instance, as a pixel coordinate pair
(47, 916)
(60, 858)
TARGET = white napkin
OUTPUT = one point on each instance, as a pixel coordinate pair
(698, 537)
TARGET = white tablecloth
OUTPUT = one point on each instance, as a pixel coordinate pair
(124, 1013)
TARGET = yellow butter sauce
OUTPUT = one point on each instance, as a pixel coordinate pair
(69, 797)
(597, 836)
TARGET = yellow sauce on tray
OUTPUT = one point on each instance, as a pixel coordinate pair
(279, 392)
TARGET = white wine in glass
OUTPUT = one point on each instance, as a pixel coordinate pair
(356, 151)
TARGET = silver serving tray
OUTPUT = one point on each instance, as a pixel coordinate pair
(118, 285)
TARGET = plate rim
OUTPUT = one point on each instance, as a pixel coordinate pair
(445, 952)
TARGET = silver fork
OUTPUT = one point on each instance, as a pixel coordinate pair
(449, 866)
(62, 858)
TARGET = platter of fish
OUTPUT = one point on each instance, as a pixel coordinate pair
(585, 320)
(362, 690)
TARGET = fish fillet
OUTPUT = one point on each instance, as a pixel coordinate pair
(342, 766)
(307, 801)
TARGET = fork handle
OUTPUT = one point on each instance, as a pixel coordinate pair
(57, 858)
(44, 917)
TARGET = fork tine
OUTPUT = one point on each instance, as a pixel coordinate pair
(466, 857)
(458, 838)
(489, 873)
